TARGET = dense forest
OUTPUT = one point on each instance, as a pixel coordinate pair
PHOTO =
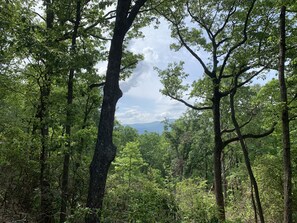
(231, 157)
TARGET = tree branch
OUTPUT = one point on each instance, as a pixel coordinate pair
(230, 13)
(133, 13)
(96, 85)
(293, 99)
(232, 130)
(200, 22)
(99, 37)
(239, 43)
(206, 70)
(246, 81)
(183, 42)
(189, 105)
(128, 66)
(250, 136)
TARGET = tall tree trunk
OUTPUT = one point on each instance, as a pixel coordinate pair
(105, 150)
(46, 209)
(224, 179)
(69, 114)
(285, 121)
(218, 148)
(246, 155)
(254, 204)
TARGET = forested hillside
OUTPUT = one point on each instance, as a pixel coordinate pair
(231, 157)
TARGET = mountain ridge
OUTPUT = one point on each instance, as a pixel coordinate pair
(156, 126)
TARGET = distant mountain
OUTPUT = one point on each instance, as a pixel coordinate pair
(157, 127)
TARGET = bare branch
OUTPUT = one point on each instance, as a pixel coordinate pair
(206, 70)
(232, 130)
(129, 65)
(251, 77)
(96, 85)
(200, 22)
(189, 105)
(240, 42)
(246, 81)
(183, 42)
(293, 99)
(39, 15)
(133, 13)
(250, 136)
(230, 13)
(222, 41)
(99, 37)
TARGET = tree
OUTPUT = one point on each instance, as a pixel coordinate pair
(189, 147)
(154, 152)
(254, 186)
(195, 204)
(225, 31)
(285, 120)
(43, 115)
(135, 191)
(68, 126)
(105, 150)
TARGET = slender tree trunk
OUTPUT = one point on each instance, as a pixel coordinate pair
(105, 150)
(218, 148)
(224, 180)
(46, 209)
(246, 155)
(285, 121)
(69, 113)
(254, 204)
(206, 165)
(82, 145)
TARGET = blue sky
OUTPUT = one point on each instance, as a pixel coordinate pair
(142, 101)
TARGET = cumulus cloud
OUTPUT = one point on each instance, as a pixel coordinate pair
(142, 110)
(134, 115)
(133, 81)
(142, 101)
(144, 68)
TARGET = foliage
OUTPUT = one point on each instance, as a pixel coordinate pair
(133, 195)
(195, 202)
(154, 178)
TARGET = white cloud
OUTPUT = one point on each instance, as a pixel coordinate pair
(142, 101)
(141, 110)
(138, 115)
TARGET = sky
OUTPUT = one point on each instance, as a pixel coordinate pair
(142, 101)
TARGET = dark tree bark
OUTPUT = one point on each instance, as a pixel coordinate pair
(216, 72)
(254, 204)
(69, 113)
(46, 209)
(246, 157)
(218, 148)
(105, 150)
(224, 177)
(285, 121)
